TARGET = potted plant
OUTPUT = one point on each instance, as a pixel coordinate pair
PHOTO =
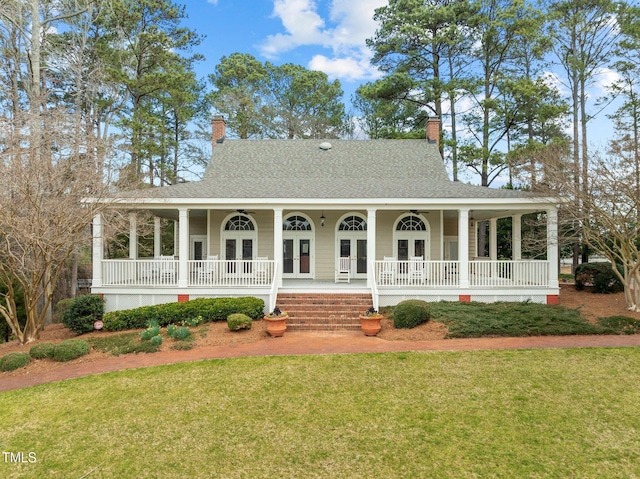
(370, 322)
(276, 322)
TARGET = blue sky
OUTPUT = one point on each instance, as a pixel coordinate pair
(326, 35)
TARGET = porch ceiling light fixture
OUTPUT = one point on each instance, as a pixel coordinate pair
(472, 221)
(322, 218)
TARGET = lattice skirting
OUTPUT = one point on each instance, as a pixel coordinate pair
(393, 299)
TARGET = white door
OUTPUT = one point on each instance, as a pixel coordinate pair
(242, 250)
(354, 247)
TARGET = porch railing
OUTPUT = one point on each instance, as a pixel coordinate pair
(442, 274)
(414, 273)
(140, 272)
(509, 273)
(238, 273)
(165, 273)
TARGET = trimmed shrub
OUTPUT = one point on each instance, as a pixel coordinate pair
(83, 312)
(410, 313)
(156, 341)
(600, 276)
(210, 309)
(42, 350)
(70, 349)
(239, 321)
(12, 361)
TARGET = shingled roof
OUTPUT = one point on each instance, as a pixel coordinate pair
(348, 169)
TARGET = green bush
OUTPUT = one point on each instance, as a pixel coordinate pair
(152, 330)
(13, 361)
(600, 276)
(181, 333)
(171, 329)
(83, 312)
(70, 349)
(238, 321)
(156, 340)
(211, 309)
(410, 313)
(42, 350)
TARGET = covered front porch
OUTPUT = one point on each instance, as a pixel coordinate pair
(393, 252)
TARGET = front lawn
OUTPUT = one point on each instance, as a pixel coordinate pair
(530, 413)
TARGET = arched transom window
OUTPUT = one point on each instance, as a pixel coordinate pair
(239, 223)
(411, 223)
(296, 223)
(353, 223)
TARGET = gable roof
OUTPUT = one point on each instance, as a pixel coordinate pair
(247, 169)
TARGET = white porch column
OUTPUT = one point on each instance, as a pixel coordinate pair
(277, 244)
(552, 246)
(183, 265)
(463, 247)
(133, 235)
(157, 237)
(176, 238)
(516, 237)
(371, 246)
(98, 251)
(493, 239)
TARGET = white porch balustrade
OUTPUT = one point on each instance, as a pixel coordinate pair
(165, 273)
(444, 274)
(523, 273)
(140, 272)
(416, 273)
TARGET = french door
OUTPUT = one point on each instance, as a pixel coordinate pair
(409, 247)
(356, 249)
(239, 249)
(297, 257)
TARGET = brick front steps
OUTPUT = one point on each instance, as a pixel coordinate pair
(323, 312)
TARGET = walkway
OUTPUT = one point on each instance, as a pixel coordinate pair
(301, 343)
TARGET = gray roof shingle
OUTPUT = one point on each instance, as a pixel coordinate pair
(301, 169)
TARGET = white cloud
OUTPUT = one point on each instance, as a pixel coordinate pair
(605, 77)
(346, 68)
(344, 32)
(212, 2)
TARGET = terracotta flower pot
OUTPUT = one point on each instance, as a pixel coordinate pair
(370, 324)
(276, 326)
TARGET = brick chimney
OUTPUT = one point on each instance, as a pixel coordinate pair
(218, 130)
(433, 130)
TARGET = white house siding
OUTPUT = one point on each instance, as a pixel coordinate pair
(198, 226)
(263, 220)
(324, 248)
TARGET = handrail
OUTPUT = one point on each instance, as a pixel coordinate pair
(375, 294)
(273, 294)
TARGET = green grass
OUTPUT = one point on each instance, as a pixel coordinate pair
(475, 320)
(505, 414)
